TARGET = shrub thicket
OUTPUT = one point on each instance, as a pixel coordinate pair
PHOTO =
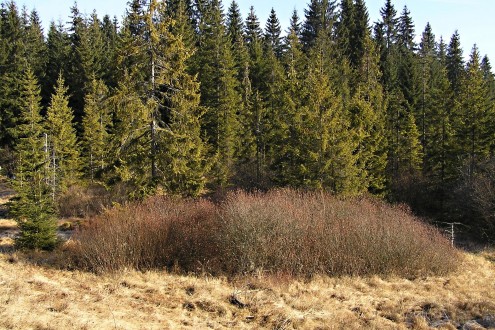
(284, 231)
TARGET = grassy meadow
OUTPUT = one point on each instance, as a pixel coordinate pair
(280, 260)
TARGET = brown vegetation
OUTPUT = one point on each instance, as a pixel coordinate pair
(34, 297)
(285, 232)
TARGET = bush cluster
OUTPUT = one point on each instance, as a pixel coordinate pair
(283, 231)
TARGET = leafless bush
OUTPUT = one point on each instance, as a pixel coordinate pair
(159, 232)
(283, 231)
(89, 201)
(309, 233)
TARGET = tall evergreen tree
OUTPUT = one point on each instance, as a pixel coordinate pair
(405, 35)
(11, 71)
(235, 32)
(289, 146)
(294, 25)
(96, 125)
(273, 34)
(181, 11)
(63, 145)
(320, 16)
(219, 91)
(79, 56)
(474, 134)
(182, 154)
(132, 58)
(345, 28)
(35, 52)
(130, 146)
(109, 52)
(58, 49)
(455, 62)
(253, 30)
(368, 116)
(32, 208)
(360, 33)
(332, 163)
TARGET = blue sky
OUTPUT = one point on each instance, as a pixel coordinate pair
(473, 18)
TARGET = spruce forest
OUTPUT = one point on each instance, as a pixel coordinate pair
(191, 98)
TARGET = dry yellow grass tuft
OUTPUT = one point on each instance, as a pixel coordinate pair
(34, 297)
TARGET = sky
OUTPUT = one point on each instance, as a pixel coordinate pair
(472, 18)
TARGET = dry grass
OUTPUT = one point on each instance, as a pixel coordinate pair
(8, 227)
(34, 297)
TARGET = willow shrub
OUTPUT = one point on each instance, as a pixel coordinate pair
(283, 231)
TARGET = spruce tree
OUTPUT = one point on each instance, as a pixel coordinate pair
(368, 116)
(11, 71)
(320, 19)
(58, 49)
(331, 164)
(273, 32)
(405, 35)
(289, 160)
(130, 139)
(96, 124)
(181, 12)
(455, 62)
(33, 208)
(253, 30)
(131, 54)
(79, 59)
(35, 52)
(109, 52)
(345, 29)
(62, 141)
(182, 154)
(235, 32)
(474, 133)
(294, 25)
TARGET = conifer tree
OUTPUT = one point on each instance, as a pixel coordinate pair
(438, 134)
(253, 30)
(11, 71)
(489, 82)
(360, 33)
(63, 145)
(455, 62)
(345, 29)
(219, 91)
(386, 37)
(474, 134)
(96, 125)
(131, 55)
(407, 72)
(405, 29)
(33, 207)
(332, 163)
(35, 52)
(109, 52)
(320, 19)
(247, 149)
(254, 44)
(410, 154)
(368, 117)
(130, 146)
(181, 12)
(79, 58)
(273, 34)
(235, 32)
(289, 144)
(182, 155)
(58, 49)
(294, 25)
